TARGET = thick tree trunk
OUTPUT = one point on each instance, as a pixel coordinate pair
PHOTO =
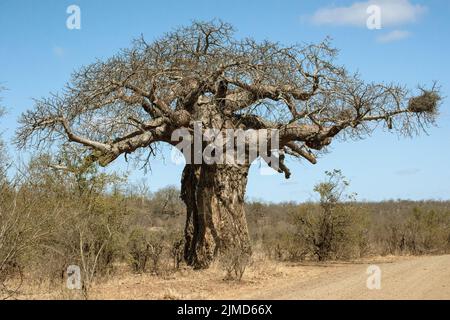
(214, 197)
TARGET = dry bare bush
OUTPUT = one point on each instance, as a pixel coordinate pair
(21, 231)
(156, 246)
(146, 247)
(234, 261)
(138, 250)
(84, 216)
(167, 202)
(284, 245)
(427, 232)
(177, 251)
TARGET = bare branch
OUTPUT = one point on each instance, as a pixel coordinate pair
(201, 73)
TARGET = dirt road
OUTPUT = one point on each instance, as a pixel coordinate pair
(412, 278)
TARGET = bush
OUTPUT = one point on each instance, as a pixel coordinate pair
(156, 244)
(427, 232)
(235, 261)
(138, 250)
(333, 230)
(84, 223)
(21, 231)
(146, 246)
(284, 246)
(412, 230)
(167, 202)
(177, 250)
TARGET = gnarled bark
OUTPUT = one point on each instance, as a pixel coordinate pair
(214, 197)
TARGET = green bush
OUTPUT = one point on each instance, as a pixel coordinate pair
(335, 229)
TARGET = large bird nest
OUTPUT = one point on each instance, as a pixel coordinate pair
(427, 102)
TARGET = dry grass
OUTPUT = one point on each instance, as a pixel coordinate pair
(262, 274)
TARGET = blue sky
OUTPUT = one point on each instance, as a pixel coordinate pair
(38, 54)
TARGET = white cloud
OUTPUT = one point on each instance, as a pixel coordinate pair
(392, 36)
(393, 13)
(58, 51)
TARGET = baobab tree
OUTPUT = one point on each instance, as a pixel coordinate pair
(136, 100)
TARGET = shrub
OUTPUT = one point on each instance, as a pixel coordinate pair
(167, 202)
(138, 250)
(83, 219)
(21, 231)
(285, 245)
(412, 230)
(235, 261)
(334, 229)
(427, 232)
(146, 248)
(156, 244)
(177, 250)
